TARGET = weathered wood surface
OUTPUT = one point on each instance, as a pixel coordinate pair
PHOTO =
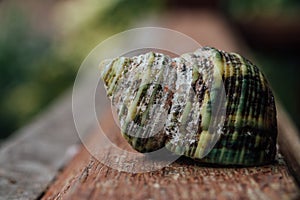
(87, 178)
(30, 160)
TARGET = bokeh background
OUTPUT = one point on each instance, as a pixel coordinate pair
(42, 44)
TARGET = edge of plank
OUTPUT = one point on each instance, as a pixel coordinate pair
(289, 142)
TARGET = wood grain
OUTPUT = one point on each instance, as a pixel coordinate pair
(31, 158)
(87, 178)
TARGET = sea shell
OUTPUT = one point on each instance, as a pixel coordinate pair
(212, 106)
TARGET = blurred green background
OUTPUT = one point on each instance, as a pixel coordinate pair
(42, 44)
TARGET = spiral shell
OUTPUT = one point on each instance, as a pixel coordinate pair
(209, 105)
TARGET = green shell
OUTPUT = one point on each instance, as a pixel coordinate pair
(172, 102)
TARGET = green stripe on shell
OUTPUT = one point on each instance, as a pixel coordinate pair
(167, 102)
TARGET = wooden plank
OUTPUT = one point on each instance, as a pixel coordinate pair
(31, 159)
(87, 178)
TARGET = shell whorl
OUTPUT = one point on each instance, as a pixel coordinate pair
(168, 102)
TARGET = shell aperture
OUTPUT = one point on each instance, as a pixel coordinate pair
(212, 106)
